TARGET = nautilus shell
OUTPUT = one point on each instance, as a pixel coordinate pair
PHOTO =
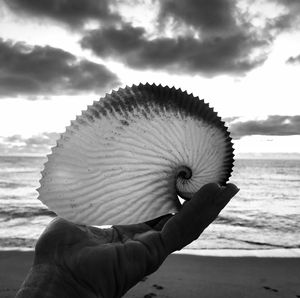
(129, 155)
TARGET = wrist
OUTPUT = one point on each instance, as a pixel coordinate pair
(49, 281)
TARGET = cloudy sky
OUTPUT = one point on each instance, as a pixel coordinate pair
(242, 57)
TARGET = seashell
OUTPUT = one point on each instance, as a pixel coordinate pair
(129, 155)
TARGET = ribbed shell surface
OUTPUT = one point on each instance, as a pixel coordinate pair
(129, 155)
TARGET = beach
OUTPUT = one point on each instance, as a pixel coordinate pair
(251, 250)
(184, 275)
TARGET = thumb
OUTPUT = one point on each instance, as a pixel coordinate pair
(195, 215)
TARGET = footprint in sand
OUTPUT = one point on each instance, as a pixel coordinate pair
(270, 289)
(158, 287)
(150, 295)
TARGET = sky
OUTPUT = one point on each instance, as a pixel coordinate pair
(242, 57)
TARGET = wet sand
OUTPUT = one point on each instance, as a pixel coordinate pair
(189, 276)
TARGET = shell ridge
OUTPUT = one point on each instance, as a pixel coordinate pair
(149, 131)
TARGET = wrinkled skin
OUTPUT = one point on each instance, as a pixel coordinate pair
(83, 261)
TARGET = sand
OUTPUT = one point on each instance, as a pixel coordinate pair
(14, 266)
(189, 276)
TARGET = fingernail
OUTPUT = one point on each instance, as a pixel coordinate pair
(232, 190)
(227, 193)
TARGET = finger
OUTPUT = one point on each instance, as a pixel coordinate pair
(196, 215)
(101, 235)
(206, 204)
(151, 246)
(127, 232)
(181, 225)
(158, 223)
(227, 194)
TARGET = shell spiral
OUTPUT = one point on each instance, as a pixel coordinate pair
(126, 158)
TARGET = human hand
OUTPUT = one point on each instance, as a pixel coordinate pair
(84, 261)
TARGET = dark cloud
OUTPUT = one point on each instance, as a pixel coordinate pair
(208, 15)
(293, 60)
(38, 144)
(71, 12)
(221, 41)
(36, 70)
(274, 125)
(213, 37)
(212, 56)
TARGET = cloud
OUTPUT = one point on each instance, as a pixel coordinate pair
(207, 37)
(274, 125)
(71, 12)
(293, 60)
(36, 70)
(184, 54)
(288, 19)
(37, 144)
(230, 119)
(211, 16)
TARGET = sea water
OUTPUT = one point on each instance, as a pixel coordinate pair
(264, 215)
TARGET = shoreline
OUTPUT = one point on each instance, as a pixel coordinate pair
(186, 275)
(235, 253)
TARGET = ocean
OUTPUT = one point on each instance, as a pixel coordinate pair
(264, 215)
